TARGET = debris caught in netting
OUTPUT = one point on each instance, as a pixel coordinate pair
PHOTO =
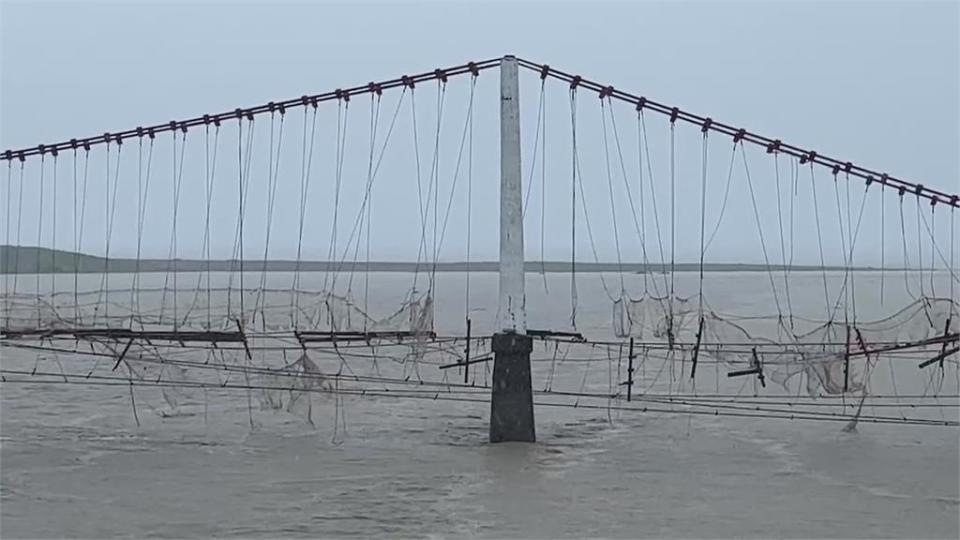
(833, 357)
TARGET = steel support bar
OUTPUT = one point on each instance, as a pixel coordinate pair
(343, 336)
(123, 334)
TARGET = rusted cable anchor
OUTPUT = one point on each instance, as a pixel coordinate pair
(757, 369)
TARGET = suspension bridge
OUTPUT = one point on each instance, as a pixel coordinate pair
(139, 260)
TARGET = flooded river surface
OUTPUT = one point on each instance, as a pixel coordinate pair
(73, 462)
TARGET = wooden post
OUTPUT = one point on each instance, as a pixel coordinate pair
(846, 362)
(466, 361)
(696, 350)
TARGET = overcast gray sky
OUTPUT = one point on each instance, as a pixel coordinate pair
(875, 83)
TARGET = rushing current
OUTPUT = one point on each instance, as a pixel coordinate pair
(73, 461)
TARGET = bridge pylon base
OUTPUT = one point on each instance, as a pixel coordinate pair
(511, 403)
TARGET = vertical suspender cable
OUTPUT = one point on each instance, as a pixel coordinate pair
(703, 220)
(642, 134)
(783, 251)
(106, 246)
(543, 190)
(133, 284)
(143, 194)
(573, 210)
(435, 180)
(40, 235)
(906, 253)
(673, 229)
(919, 250)
(78, 230)
(112, 206)
(883, 243)
(242, 191)
(637, 222)
(8, 269)
(473, 83)
(933, 247)
(851, 240)
(53, 241)
(16, 249)
(613, 208)
(305, 183)
(823, 270)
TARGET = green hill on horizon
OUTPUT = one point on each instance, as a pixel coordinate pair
(31, 259)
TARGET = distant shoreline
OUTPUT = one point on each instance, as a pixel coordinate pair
(25, 260)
